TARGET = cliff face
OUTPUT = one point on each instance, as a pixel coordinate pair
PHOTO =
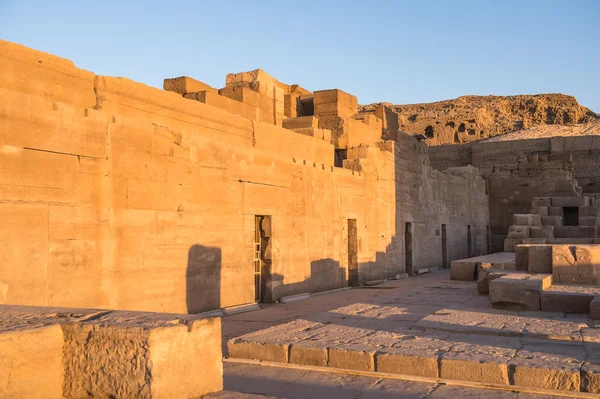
(472, 118)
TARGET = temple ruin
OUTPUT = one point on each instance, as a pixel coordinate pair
(137, 220)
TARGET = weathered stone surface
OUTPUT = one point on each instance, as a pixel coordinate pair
(519, 290)
(313, 350)
(519, 231)
(359, 354)
(542, 232)
(576, 264)
(547, 366)
(478, 358)
(31, 362)
(523, 219)
(522, 257)
(272, 344)
(185, 84)
(540, 259)
(590, 378)
(99, 231)
(568, 298)
(569, 201)
(418, 356)
(595, 308)
(463, 270)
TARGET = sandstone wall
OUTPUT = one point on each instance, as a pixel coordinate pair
(122, 196)
(585, 151)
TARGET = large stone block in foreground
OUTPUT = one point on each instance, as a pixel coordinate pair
(131, 356)
(83, 353)
(519, 290)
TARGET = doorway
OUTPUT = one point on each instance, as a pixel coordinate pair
(469, 248)
(262, 259)
(444, 248)
(352, 253)
(408, 261)
(570, 216)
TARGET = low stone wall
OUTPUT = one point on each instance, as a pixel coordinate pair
(76, 353)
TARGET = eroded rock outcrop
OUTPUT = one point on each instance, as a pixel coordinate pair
(471, 118)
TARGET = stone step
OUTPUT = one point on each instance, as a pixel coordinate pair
(519, 290)
(568, 298)
(509, 361)
(466, 269)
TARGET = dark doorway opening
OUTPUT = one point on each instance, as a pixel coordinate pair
(262, 259)
(408, 261)
(469, 246)
(352, 253)
(570, 216)
(444, 248)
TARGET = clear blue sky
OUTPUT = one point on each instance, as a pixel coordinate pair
(395, 51)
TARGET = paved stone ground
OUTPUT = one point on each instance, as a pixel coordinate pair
(244, 381)
(427, 326)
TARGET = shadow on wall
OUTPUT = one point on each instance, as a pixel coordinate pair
(203, 279)
(325, 274)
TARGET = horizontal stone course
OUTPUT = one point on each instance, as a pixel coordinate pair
(528, 359)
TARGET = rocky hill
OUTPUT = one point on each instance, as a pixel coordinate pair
(472, 118)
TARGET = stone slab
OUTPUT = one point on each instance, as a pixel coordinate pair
(519, 290)
(478, 358)
(569, 201)
(547, 366)
(568, 298)
(417, 357)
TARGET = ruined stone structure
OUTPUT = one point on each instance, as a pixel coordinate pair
(518, 171)
(472, 118)
(118, 195)
(131, 216)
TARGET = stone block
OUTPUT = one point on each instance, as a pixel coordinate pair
(271, 344)
(125, 355)
(536, 241)
(485, 276)
(541, 232)
(587, 221)
(595, 308)
(519, 231)
(568, 298)
(576, 264)
(574, 232)
(569, 201)
(556, 211)
(463, 270)
(540, 210)
(418, 357)
(478, 358)
(522, 257)
(314, 350)
(554, 367)
(334, 102)
(517, 290)
(31, 363)
(360, 353)
(552, 220)
(587, 211)
(302, 122)
(509, 244)
(184, 84)
(541, 201)
(590, 378)
(523, 219)
(540, 259)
